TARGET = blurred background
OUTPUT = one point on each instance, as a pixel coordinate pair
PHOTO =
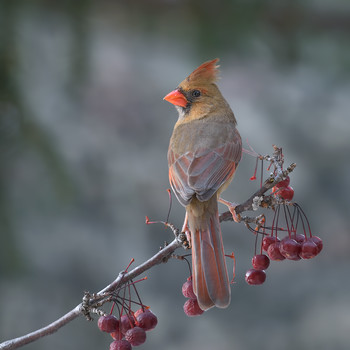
(84, 134)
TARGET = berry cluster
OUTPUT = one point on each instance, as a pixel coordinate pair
(294, 246)
(130, 329)
(191, 307)
(257, 274)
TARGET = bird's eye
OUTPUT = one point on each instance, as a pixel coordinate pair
(196, 93)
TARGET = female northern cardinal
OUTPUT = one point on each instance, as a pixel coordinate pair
(203, 155)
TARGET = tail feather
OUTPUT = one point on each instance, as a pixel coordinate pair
(210, 278)
(199, 281)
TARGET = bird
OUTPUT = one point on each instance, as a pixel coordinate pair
(204, 151)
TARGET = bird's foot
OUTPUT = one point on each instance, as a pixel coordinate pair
(187, 244)
(232, 208)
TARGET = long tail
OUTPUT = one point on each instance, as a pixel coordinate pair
(210, 278)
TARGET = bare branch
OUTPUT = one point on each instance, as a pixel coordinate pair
(42, 332)
(91, 303)
(272, 180)
(122, 278)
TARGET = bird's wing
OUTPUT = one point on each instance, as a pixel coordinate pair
(203, 171)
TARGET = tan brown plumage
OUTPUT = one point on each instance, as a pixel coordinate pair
(204, 151)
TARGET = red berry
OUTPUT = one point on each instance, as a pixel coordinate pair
(120, 345)
(274, 252)
(146, 320)
(135, 336)
(286, 193)
(255, 277)
(108, 323)
(290, 248)
(192, 308)
(260, 262)
(284, 183)
(308, 250)
(267, 240)
(187, 289)
(299, 238)
(318, 242)
(117, 335)
(126, 322)
(139, 311)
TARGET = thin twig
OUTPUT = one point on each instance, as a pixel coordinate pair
(122, 278)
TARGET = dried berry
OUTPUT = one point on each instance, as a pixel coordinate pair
(120, 345)
(117, 335)
(146, 320)
(126, 322)
(139, 311)
(108, 323)
(187, 289)
(192, 308)
(135, 336)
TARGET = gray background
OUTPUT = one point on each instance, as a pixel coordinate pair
(83, 140)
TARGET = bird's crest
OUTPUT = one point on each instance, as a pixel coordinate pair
(206, 73)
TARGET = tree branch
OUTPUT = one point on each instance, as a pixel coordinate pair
(42, 332)
(89, 301)
(278, 175)
(122, 278)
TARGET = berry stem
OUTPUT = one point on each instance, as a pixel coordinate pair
(295, 213)
(188, 264)
(291, 217)
(255, 243)
(129, 288)
(112, 308)
(256, 167)
(263, 234)
(305, 217)
(138, 297)
(131, 261)
(123, 298)
(132, 301)
(275, 219)
(117, 304)
(286, 218)
(304, 229)
(129, 284)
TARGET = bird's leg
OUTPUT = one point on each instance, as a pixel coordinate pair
(187, 231)
(231, 207)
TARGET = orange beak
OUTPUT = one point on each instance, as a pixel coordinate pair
(177, 98)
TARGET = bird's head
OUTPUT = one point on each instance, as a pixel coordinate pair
(198, 95)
